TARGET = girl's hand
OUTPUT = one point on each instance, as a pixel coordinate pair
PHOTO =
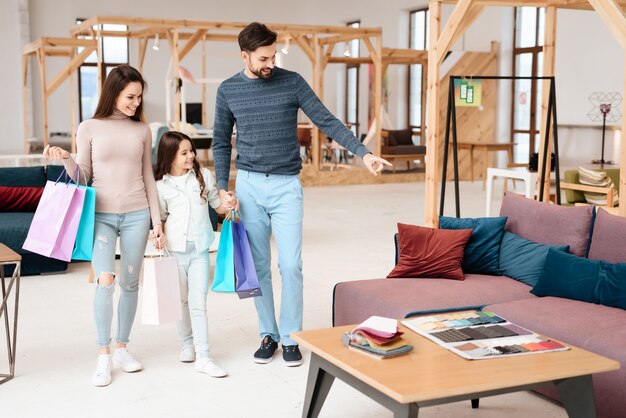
(55, 153)
(158, 237)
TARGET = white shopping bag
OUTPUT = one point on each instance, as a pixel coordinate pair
(161, 291)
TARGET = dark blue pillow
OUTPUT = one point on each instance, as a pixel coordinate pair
(483, 248)
(595, 281)
(523, 260)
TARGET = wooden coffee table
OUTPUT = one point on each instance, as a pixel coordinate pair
(431, 375)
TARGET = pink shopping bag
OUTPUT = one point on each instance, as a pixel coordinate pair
(52, 232)
(161, 291)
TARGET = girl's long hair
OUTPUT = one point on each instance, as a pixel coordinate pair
(117, 80)
(166, 153)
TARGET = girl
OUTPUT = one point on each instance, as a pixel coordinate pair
(114, 150)
(185, 191)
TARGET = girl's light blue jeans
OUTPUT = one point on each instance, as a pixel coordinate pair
(274, 203)
(132, 228)
(193, 273)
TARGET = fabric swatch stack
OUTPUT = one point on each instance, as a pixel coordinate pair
(379, 337)
(599, 179)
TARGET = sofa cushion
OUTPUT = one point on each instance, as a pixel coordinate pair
(568, 276)
(523, 260)
(482, 251)
(548, 224)
(595, 328)
(19, 198)
(608, 240)
(355, 301)
(23, 176)
(429, 252)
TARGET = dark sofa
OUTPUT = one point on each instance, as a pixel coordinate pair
(20, 191)
(597, 328)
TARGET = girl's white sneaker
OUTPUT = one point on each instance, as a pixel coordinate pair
(206, 365)
(187, 354)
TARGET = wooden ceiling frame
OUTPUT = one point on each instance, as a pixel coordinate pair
(465, 12)
(54, 47)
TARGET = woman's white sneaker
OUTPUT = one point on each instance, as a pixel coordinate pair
(102, 374)
(128, 363)
(206, 365)
(187, 354)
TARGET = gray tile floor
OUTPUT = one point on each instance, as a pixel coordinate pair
(348, 234)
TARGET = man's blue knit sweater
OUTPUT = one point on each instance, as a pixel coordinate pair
(266, 114)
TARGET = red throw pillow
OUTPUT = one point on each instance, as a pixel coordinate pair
(428, 252)
(19, 198)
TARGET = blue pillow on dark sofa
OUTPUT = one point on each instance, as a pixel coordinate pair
(523, 260)
(572, 277)
(482, 251)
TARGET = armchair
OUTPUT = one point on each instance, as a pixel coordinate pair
(398, 145)
(575, 191)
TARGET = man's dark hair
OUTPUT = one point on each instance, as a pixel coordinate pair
(255, 35)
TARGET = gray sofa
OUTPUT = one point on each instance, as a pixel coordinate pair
(597, 328)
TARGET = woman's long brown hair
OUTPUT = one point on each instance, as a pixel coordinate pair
(117, 80)
(166, 153)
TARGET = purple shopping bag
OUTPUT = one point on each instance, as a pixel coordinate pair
(52, 232)
(246, 279)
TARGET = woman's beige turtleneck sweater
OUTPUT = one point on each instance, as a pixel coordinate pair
(116, 153)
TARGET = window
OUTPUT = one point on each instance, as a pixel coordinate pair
(352, 49)
(114, 52)
(418, 39)
(527, 61)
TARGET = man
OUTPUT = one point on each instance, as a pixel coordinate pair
(263, 101)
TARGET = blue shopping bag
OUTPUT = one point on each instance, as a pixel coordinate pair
(224, 276)
(84, 237)
(246, 279)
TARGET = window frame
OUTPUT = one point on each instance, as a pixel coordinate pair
(105, 66)
(417, 129)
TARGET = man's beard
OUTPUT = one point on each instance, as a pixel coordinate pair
(262, 75)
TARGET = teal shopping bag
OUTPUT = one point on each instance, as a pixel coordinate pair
(84, 237)
(224, 276)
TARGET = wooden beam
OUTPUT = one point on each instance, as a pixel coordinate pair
(451, 30)
(143, 45)
(349, 60)
(327, 54)
(199, 34)
(74, 63)
(613, 17)
(561, 4)
(73, 105)
(305, 44)
(473, 14)
(25, 60)
(622, 171)
(343, 38)
(432, 140)
(374, 53)
(42, 76)
(548, 70)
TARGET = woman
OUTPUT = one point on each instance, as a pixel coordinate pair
(114, 150)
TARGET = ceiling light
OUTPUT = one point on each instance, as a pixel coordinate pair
(156, 43)
(285, 49)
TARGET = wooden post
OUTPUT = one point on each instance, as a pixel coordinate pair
(25, 59)
(315, 134)
(622, 171)
(143, 44)
(432, 152)
(548, 70)
(73, 105)
(44, 92)
(99, 59)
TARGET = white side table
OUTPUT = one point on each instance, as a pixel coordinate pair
(518, 173)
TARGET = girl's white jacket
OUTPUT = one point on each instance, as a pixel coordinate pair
(181, 206)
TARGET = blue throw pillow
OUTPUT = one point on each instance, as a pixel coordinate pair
(523, 260)
(595, 281)
(483, 248)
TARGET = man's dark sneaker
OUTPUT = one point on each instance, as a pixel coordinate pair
(265, 353)
(292, 355)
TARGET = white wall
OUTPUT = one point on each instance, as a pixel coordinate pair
(11, 119)
(584, 62)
